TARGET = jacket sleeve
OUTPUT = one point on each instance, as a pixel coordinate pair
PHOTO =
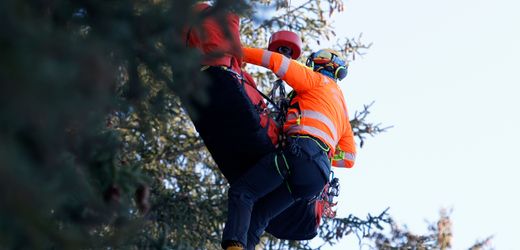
(298, 76)
(345, 155)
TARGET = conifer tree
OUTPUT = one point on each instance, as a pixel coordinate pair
(96, 150)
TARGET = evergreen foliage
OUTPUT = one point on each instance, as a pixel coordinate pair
(96, 151)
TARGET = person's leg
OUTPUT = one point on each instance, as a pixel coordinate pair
(306, 180)
(256, 183)
(266, 208)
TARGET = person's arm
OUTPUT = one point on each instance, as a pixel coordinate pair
(345, 154)
(298, 76)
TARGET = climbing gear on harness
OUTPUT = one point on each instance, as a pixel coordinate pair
(332, 191)
(278, 95)
(326, 197)
(329, 61)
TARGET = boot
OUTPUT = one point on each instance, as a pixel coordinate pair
(234, 248)
(234, 245)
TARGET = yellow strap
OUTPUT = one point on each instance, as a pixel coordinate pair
(280, 173)
(276, 165)
(326, 149)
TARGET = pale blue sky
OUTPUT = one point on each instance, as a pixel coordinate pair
(446, 74)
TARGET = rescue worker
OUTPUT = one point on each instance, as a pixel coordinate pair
(318, 132)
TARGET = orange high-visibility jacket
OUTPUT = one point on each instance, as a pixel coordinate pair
(322, 110)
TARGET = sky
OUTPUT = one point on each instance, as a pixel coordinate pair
(445, 74)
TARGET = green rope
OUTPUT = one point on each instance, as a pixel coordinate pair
(280, 173)
(326, 149)
(286, 164)
(288, 187)
(276, 164)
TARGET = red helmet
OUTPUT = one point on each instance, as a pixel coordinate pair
(287, 43)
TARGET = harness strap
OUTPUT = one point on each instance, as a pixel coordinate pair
(284, 172)
(320, 144)
(269, 100)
